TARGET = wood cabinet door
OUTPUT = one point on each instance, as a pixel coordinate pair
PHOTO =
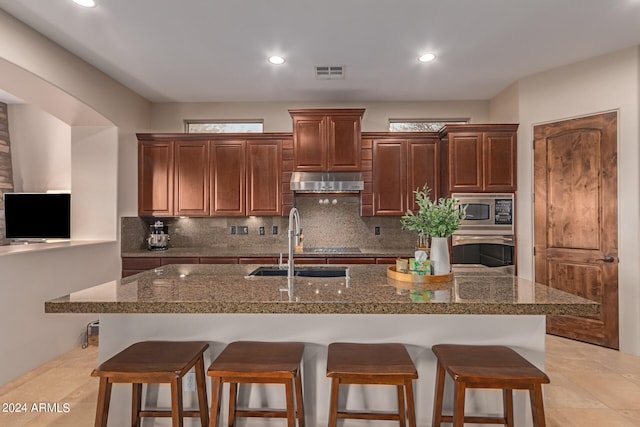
(264, 170)
(155, 178)
(344, 143)
(499, 161)
(227, 170)
(423, 168)
(465, 161)
(191, 195)
(389, 177)
(309, 146)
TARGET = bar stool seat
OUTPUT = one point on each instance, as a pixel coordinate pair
(368, 364)
(152, 362)
(486, 366)
(251, 362)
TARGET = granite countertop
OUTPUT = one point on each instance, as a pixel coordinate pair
(198, 288)
(268, 251)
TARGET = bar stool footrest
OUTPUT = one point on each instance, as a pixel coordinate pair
(261, 413)
(359, 415)
(476, 419)
(167, 413)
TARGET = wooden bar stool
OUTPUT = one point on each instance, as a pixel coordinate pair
(251, 362)
(486, 366)
(386, 364)
(153, 362)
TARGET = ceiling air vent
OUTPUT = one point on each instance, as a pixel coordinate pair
(329, 72)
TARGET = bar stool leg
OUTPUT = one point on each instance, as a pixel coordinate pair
(507, 402)
(291, 408)
(104, 398)
(202, 393)
(458, 405)
(299, 401)
(136, 404)
(176, 402)
(408, 385)
(437, 404)
(216, 397)
(402, 416)
(537, 405)
(233, 401)
(333, 406)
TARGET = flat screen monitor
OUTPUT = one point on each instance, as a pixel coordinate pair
(37, 215)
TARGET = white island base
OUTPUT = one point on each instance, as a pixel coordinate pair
(524, 333)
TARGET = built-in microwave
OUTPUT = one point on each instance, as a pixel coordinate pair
(486, 235)
(487, 213)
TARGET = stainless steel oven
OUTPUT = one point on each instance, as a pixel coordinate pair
(487, 234)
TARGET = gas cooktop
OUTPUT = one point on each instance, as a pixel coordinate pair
(333, 250)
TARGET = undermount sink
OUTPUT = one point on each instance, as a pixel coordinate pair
(301, 271)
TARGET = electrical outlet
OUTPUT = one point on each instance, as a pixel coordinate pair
(261, 231)
(274, 229)
(243, 229)
(189, 383)
(233, 229)
(376, 230)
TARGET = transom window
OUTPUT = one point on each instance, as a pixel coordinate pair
(422, 125)
(224, 126)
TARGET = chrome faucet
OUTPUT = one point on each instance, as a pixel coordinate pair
(294, 234)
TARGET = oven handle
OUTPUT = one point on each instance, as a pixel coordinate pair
(469, 239)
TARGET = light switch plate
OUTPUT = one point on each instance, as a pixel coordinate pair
(376, 230)
(243, 229)
(274, 229)
(233, 229)
(262, 231)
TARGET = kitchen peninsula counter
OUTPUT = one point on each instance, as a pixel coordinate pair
(216, 303)
(194, 288)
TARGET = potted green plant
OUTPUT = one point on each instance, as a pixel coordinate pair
(438, 220)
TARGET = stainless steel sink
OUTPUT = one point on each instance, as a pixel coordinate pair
(301, 271)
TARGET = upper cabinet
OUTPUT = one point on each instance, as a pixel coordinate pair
(185, 175)
(191, 178)
(326, 140)
(227, 170)
(155, 178)
(400, 166)
(479, 158)
(264, 169)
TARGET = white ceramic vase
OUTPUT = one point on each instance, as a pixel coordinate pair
(440, 262)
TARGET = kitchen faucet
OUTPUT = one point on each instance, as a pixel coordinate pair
(294, 231)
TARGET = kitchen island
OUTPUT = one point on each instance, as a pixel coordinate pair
(219, 304)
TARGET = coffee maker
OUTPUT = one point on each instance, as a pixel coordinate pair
(158, 239)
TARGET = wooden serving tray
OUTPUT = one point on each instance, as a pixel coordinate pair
(416, 278)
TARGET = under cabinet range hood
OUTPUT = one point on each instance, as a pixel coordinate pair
(327, 182)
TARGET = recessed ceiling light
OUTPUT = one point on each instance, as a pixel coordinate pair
(277, 60)
(85, 3)
(427, 57)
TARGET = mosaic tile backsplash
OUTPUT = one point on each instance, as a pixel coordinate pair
(324, 225)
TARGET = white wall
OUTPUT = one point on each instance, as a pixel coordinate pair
(40, 150)
(103, 117)
(169, 117)
(606, 83)
(30, 337)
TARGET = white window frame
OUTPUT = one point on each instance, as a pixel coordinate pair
(436, 124)
(225, 123)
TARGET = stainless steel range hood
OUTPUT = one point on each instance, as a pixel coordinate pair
(327, 182)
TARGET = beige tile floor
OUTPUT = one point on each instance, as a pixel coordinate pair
(590, 387)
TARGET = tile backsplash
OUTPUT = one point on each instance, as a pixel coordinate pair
(326, 222)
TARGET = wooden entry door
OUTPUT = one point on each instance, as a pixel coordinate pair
(576, 221)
